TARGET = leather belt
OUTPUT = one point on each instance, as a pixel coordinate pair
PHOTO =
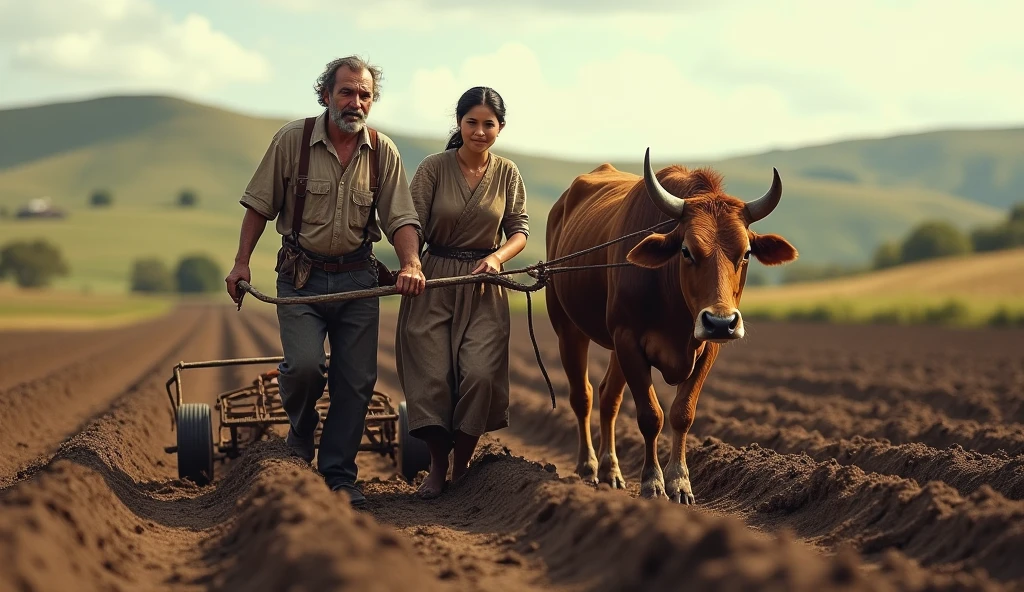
(460, 254)
(358, 259)
(335, 267)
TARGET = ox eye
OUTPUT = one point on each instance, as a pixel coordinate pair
(686, 253)
(746, 256)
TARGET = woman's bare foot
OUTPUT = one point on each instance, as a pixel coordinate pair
(435, 483)
(465, 446)
(440, 444)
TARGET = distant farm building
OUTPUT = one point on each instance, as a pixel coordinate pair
(40, 207)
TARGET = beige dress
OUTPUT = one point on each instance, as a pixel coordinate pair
(452, 343)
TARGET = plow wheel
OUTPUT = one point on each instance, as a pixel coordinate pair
(195, 443)
(413, 454)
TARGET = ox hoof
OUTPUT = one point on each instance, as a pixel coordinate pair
(652, 489)
(588, 472)
(609, 473)
(615, 481)
(684, 498)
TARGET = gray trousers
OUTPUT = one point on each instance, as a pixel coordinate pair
(351, 328)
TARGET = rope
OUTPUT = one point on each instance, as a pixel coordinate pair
(540, 271)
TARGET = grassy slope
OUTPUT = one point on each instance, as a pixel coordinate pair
(52, 309)
(977, 286)
(985, 166)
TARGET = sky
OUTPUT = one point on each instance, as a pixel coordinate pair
(582, 79)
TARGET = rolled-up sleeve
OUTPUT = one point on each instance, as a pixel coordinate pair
(516, 219)
(396, 208)
(265, 191)
(423, 188)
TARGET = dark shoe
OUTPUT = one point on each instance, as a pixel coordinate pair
(356, 497)
(301, 447)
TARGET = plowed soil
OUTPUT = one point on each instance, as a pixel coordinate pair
(822, 458)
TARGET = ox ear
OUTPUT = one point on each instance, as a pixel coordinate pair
(654, 251)
(772, 249)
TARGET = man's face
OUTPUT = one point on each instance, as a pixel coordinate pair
(351, 99)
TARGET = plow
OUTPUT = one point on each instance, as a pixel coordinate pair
(248, 414)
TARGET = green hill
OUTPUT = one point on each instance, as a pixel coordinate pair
(146, 149)
(984, 166)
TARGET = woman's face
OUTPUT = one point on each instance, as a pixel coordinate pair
(479, 128)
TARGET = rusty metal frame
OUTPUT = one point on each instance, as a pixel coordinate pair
(247, 413)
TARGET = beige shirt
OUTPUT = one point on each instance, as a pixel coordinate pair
(454, 216)
(337, 199)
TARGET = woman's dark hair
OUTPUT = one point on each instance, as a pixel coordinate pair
(478, 95)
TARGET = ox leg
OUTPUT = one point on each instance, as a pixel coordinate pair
(681, 415)
(610, 396)
(649, 416)
(573, 348)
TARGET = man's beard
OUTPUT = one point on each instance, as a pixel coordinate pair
(349, 127)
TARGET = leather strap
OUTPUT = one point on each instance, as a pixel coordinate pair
(374, 184)
(303, 177)
(300, 183)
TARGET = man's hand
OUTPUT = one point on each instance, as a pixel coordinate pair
(489, 264)
(239, 272)
(410, 280)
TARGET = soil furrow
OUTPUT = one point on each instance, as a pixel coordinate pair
(964, 470)
(47, 410)
(822, 458)
(900, 424)
(823, 502)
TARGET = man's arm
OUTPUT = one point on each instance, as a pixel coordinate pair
(253, 225)
(407, 245)
(263, 199)
(401, 223)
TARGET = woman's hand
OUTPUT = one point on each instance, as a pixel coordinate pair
(490, 264)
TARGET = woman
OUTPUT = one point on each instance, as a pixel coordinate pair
(452, 342)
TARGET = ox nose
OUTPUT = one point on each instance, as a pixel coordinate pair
(720, 327)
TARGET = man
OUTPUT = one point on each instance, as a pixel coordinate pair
(330, 250)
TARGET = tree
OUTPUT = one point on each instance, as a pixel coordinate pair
(32, 264)
(933, 239)
(197, 274)
(187, 198)
(991, 238)
(755, 278)
(887, 255)
(1017, 212)
(101, 198)
(151, 275)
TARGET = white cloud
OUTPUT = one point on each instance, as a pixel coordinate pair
(633, 17)
(127, 42)
(769, 77)
(620, 106)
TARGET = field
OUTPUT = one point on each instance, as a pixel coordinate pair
(977, 289)
(822, 458)
(53, 309)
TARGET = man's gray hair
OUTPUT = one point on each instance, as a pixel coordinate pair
(355, 63)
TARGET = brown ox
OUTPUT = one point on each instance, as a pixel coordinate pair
(671, 310)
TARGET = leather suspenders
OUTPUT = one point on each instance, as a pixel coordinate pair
(300, 183)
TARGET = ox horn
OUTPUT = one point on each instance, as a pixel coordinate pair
(666, 202)
(762, 206)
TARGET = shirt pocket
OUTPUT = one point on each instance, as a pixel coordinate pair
(319, 205)
(361, 202)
